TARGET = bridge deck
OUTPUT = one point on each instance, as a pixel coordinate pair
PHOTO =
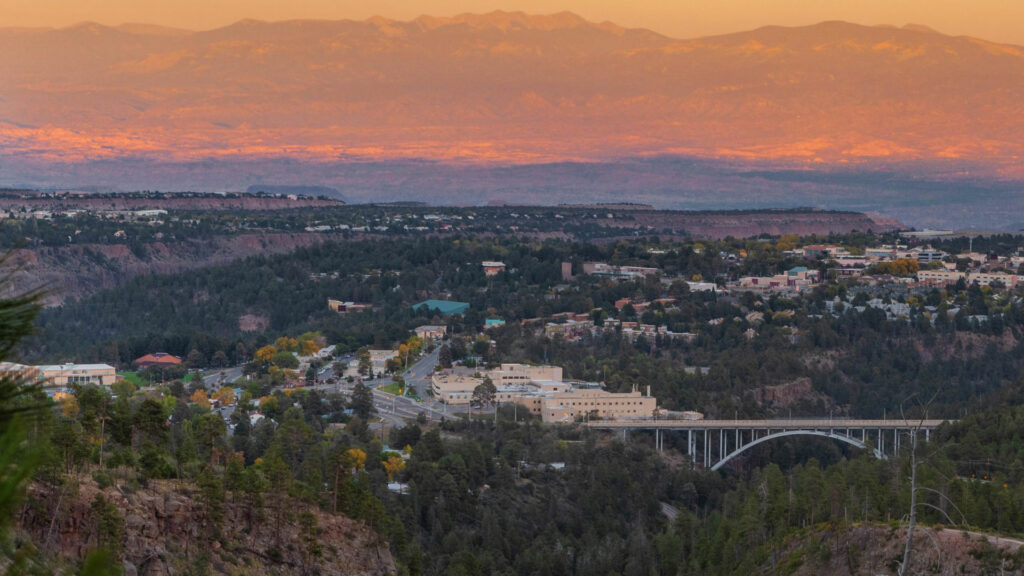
(797, 424)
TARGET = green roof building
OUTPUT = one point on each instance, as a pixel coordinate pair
(444, 307)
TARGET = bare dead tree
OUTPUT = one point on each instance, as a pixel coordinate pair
(911, 516)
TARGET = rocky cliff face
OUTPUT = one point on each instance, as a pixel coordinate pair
(70, 272)
(164, 532)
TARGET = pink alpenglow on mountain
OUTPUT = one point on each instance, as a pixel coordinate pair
(506, 88)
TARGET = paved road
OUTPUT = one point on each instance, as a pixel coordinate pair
(396, 410)
(418, 375)
(409, 408)
(328, 370)
(223, 376)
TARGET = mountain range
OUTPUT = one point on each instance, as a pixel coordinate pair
(88, 103)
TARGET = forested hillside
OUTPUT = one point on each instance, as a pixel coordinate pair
(296, 480)
(861, 364)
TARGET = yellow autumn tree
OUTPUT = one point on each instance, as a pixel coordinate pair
(308, 347)
(355, 459)
(286, 344)
(393, 465)
(268, 403)
(226, 395)
(69, 407)
(415, 345)
(265, 354)
(200, 398)
(787, 242)
(900, 267)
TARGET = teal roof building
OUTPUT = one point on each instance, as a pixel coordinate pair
(444, 307)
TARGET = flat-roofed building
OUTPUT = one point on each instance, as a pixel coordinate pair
(454, 386)
(508, 374)
(823, 250)
(940, 277)
(604, 269)
(63, 375)
(577, 403)
(541, 390)
(379, 359)
(344, 307)
(430, 332)
(14, 370)
(492, 268)
(989, 278)
(929, 254)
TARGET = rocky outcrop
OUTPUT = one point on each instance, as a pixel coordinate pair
(165, 531)
(798, 394)
(71, 272)
(875, 549)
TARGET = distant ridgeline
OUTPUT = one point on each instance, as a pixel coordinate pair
(91, 201)
(299, 190)
(611, 206)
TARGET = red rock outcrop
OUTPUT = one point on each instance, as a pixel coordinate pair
(164, 531)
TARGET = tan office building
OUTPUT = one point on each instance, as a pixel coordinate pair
(454, 387)
(510, 374)
(541, 390)
(579, 404)
(63, 375)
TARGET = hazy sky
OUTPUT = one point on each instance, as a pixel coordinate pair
(1000, 20)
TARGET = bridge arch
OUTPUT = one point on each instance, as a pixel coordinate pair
(824, 434)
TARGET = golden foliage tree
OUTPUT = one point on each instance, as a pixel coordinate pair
(393, 465)
(286, 344)
(308, 347)
(265, 354)
(355, 459)
(200, 398)
(226, 395)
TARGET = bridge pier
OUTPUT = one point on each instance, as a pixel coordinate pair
(707, 453)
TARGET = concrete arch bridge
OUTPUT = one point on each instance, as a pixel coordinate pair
(719, 441)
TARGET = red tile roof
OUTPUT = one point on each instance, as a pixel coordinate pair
(157, 359)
